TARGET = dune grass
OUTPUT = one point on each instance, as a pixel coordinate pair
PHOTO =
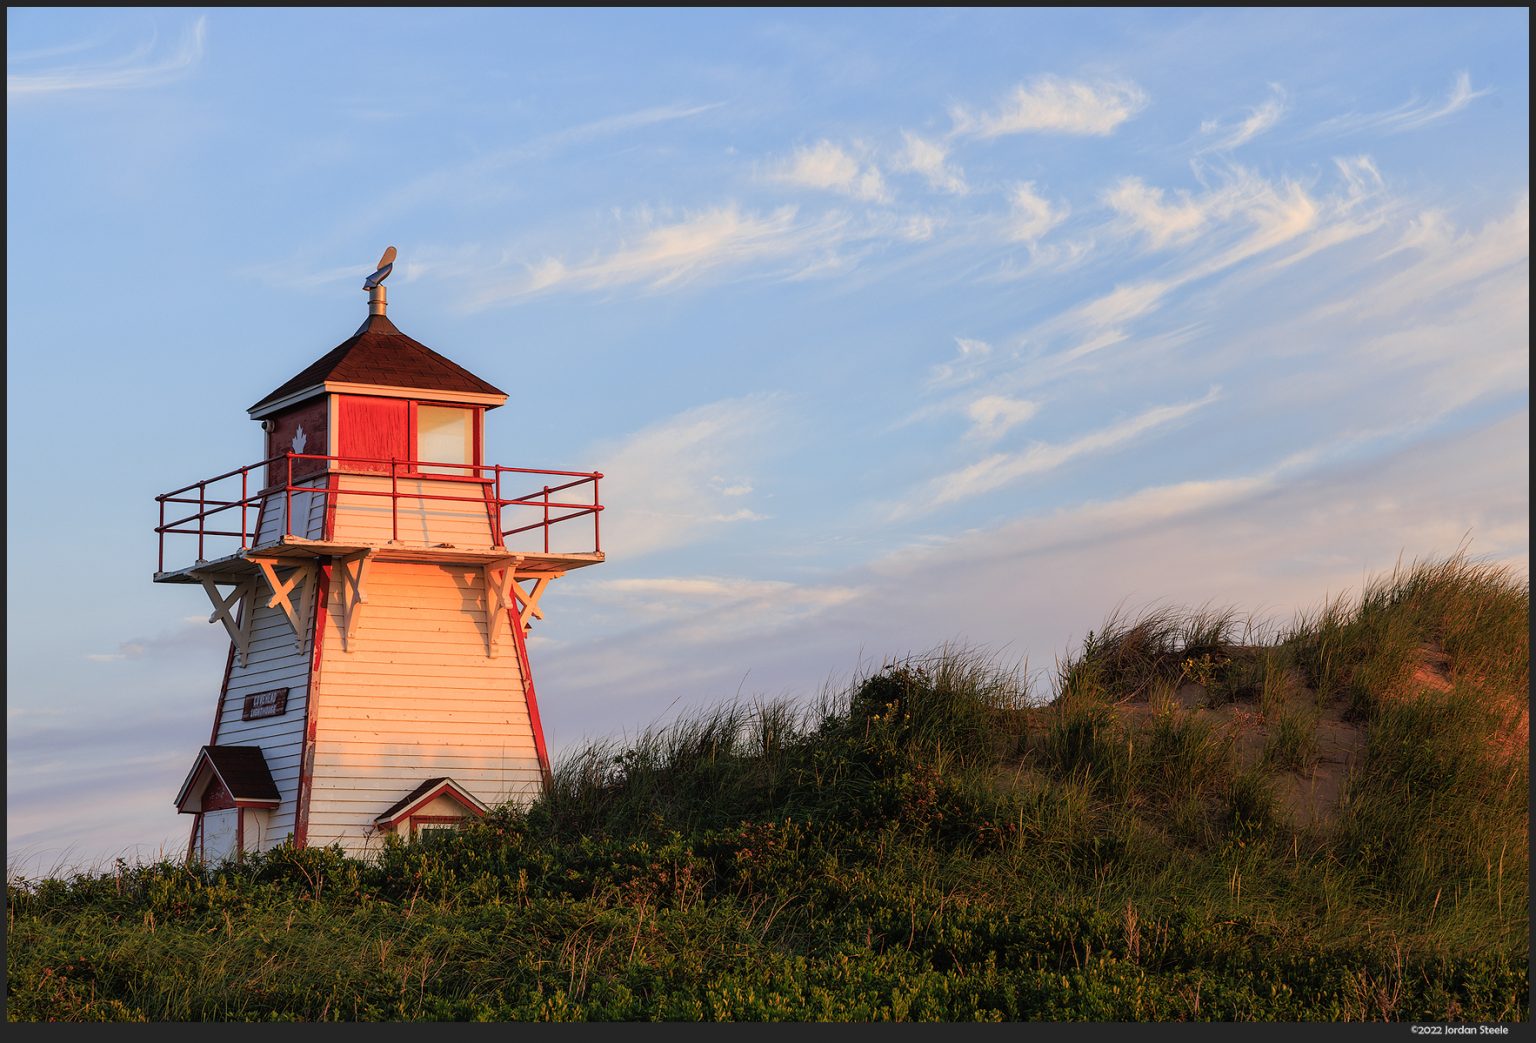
(934, 842)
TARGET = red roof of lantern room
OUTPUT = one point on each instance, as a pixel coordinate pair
(379, 355)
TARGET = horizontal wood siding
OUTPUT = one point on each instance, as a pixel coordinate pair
(368, 518)
(308, 513)
(412, 696)
(274, 662)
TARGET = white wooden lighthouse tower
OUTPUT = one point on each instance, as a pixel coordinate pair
(376, 577)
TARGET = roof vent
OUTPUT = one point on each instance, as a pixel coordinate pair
(377, 299)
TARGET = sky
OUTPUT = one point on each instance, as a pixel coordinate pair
(889, 329)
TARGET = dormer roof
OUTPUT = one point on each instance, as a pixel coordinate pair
(240, 770)
(380, 360)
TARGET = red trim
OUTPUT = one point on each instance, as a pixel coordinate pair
(212, 498)
(329, 531)
(194, 845)
(307, 749)
(413, 429)
(417, 820)
(239, 833)
(532, 700)
(450, 789)
(492, 514)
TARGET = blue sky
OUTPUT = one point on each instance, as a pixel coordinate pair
(889, 328)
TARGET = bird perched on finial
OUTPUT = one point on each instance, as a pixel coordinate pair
(386, 264)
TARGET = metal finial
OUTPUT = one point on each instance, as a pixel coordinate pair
(374, 284)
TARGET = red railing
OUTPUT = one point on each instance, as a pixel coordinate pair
(216, 496)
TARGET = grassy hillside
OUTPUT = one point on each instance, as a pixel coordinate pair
(1193, 822)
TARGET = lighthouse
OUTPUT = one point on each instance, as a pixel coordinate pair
(377, 577)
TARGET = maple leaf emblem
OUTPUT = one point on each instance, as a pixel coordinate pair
(300, 440)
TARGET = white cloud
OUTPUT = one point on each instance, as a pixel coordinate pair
(1259, 119)
(667, 255)
(963, 367)
(136, 69)
(1097, 342)
(1032, 214)
(993, 416)
(1162, 223)
(195, 633)
(1053, 105)
(621, 123)
(1457, 98)
(1002, 469)
(1123, 303)
(930, 159)
(1447, 260)
(672, 482)
(829, 168)
(1244, 216)
(1360, 174)
(1411, 115)
(694, 609)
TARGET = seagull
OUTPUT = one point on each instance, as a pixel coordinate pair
(386, 265)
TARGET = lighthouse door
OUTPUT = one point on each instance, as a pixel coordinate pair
(221, 834)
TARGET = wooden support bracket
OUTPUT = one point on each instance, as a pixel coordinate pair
(302, 577)
(528, 600)
(499, 584)
(224, 607)
(503, 594)
(354, 594)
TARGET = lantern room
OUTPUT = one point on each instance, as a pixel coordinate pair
(382, 413)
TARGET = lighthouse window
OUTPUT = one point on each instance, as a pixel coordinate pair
(445, 435)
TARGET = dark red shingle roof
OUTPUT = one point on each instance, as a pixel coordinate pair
(242, 769)
(378, 353)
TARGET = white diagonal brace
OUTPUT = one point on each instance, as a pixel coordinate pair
(528, 600)
(354, 592)
(499, 585)
(239, 630)
(303, 577)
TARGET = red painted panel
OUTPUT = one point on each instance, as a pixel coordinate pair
(216, 797)
(313, 418)
(373, 428)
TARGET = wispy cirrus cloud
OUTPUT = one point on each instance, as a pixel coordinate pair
(1054, 105)
(930, 160)
(139, 68)
(1446, 260)
(1031, 214)
(1244, 216)
(664, 254)
(831, 168)
(1002, 469)
(1146, 211)
(685, 475)
(1259, 119)
(964, 366)
(620, 123)
(993, 416)
(194, 633)
(1411, 115)
(701, 608)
